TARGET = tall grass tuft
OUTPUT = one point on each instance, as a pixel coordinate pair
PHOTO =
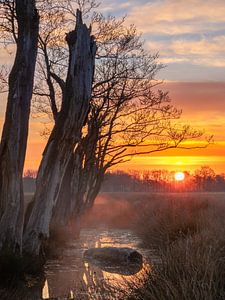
(189, 239)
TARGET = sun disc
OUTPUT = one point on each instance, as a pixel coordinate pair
(179, 176)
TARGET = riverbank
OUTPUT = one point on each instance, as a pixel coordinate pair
(188, 235)
(181, 237)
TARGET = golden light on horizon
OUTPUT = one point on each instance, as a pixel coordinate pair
(179, 176)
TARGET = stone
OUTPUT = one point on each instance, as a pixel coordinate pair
(125, 261)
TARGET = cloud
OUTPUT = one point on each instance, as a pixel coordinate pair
(201, 47)
(174, 160)
(179, 16)
(202, 103)
(205, 51)
(183, 31)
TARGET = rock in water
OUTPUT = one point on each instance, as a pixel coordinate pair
(124, 261)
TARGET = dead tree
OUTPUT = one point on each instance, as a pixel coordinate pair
(125, 107)
(65, 135)
(15, 130)
(81, 182)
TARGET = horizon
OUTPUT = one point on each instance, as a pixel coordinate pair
(112, 156)
(190, 44)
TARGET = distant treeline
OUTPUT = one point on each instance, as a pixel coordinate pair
(202, 180)
(29, 179)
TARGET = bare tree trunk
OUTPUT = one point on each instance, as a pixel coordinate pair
(15, 131)
(79, 179)
(71, 204)
(62, 209)
(65, 135)
(83, 202)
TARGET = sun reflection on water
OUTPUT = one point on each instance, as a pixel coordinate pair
(73, 274)
(45, 291)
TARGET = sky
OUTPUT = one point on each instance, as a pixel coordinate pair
(189, 36)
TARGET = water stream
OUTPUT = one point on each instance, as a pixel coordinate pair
(72, 277)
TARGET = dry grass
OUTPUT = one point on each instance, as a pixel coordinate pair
(189, 238)
(187, 233)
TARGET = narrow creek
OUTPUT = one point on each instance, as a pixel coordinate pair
(72, 277)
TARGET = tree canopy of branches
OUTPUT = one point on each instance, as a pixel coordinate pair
(99, 119)
(128, 115)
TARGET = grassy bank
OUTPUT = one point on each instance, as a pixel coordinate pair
(188, 235)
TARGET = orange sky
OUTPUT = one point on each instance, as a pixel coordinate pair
(199, 109)
(190, 38)
(203, 107)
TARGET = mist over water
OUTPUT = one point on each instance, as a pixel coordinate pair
(73, 276)
(113, 222)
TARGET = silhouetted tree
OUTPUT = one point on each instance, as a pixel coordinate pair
(65, 135)
(23, 16)
(128, 115)
(204, 177)
(98, 121)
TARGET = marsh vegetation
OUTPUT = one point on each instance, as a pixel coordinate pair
(181, 237)
(91, 77)
(186, 231)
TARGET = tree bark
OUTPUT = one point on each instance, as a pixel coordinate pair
(65, 135)
(15, 130)
(81, 178)
(62, 209)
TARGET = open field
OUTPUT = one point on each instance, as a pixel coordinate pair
(121, 210)
(185, 231)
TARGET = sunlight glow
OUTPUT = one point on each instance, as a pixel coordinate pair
(45, 291)
(179, 176)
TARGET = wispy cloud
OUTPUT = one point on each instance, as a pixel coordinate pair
(179, 16)
(205, 51)
(184, 32)
(202, 103)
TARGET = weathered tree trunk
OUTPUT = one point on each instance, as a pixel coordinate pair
(62, 209)
(83, 201)
(15, 131)
(82, 177)
(72, 206)
(65, 135)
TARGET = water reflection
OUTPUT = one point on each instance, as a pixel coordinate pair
(73, 278)
(45, 291)
(73, 274)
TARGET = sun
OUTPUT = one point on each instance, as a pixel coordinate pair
(179, 176)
